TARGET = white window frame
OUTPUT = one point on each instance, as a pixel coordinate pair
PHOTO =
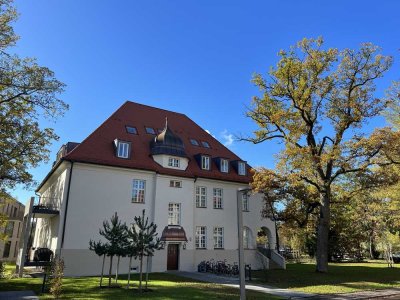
(201, 237)
(218, 198)
(224, 165)
(123, 149)
(205, 162)
(174, 213)
(246, 238)
(174, 162)
(138, 191)
(175, 183)
(241, 168)
(245, 202)
(218, 237)
(201, 196)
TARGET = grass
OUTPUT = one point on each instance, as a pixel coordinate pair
(341, 277)
(164, 287)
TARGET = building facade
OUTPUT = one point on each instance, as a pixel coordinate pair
(160, 161)
(15, 213)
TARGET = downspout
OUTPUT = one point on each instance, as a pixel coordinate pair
(66, 206)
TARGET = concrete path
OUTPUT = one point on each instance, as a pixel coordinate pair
(18, 295)
(289, 294)
(234, 282)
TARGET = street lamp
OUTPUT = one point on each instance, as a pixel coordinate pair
(242, 279)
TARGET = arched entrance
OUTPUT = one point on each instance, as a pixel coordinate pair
(264, 238)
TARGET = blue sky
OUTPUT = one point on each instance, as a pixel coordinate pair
(194, 57)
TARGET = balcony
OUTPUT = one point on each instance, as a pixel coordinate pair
(44, 211)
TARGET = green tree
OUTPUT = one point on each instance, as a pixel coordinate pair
(315, 103)
(28, 91)
(144, 235)
(115, 232)
(100, 249)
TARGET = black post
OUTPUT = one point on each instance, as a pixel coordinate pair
(44, 282)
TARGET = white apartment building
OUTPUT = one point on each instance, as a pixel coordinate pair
(143, 157)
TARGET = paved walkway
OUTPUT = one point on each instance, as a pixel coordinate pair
(234, 282)
(19, 295)
(289, 294)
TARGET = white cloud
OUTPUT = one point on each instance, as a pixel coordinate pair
(228, 138)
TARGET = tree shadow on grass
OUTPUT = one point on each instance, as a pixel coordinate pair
(350, 276)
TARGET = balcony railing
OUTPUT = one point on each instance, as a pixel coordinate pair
(45, 211)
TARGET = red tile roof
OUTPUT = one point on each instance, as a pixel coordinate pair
(98, 147)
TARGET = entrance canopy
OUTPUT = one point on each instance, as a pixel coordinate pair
(173, 234)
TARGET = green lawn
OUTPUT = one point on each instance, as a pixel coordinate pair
(164, 286)
(341, 278)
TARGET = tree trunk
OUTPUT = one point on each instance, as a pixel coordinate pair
(102, 270)
(323, 233)
(129, 272)
(147, 271)
(141, 273)
(110, 270)
(116, 274)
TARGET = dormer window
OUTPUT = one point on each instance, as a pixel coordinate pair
(123, 149)
(205, 144)
(224, 165)
(205, 162)
(241, 168)
(150, 130)
(131, 130)
(194, 142)
(173, 162)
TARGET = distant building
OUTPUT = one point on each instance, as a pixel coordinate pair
(15, 213)
(143, 157)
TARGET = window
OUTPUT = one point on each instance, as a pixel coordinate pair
(9, 229)
(175, 183)
(241, 168)
(150, 130)
(246, 238)
(205, 144)
(217, 198)
(224, 165)
(174, 214)
(218, 237)
(138, 191)
(123, 150)
(7, 247)
(245, 202)
(173, 162)
(131, 130)
(201, 196)
(205, 162)
(194, 142)
(201, 237)
(15, 212)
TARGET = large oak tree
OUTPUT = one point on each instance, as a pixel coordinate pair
(315, 102)
(28, 92)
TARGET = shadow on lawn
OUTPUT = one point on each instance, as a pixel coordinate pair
(347, 275)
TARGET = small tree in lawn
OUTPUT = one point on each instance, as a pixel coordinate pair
(144, 234)
(115, 232)
(101, 250)
(131, 251)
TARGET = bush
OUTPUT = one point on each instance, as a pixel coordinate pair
(2, 269)
(56, 277)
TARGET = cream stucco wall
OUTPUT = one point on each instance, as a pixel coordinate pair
(97, 192)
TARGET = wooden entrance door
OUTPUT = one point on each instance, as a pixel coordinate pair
(173, 256)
